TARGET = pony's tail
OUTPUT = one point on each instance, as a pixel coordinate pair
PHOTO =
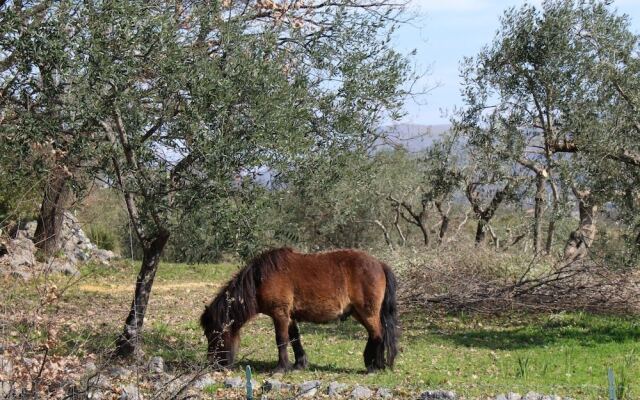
(389, 317)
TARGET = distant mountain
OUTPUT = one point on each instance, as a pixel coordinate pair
(413, 137)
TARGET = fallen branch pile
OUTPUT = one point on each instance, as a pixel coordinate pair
(469, 284)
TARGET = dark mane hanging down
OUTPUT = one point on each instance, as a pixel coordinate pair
(236, 303)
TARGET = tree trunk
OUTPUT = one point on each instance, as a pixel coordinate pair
(554, 215)
(387, 238)
(396, 223)
(550, 233)
(481, 231)
(444, 227)
(56, 197)
(444, 221)
(129, 340)
(581, 239)
(422, 224)
(538, 212)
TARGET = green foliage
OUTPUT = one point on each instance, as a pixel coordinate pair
(550, 98)
(180, 110)
(103, 238)
(104, 219)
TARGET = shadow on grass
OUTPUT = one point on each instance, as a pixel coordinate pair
(582, 330)
(349, 329)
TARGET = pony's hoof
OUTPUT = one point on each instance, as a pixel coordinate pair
(300, 365)
(372, 369)
(282, 369)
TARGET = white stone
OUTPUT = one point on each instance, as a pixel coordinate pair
(384, 393)
(309, 388)
(438, 395)
(156, 365)
(361, 392)
(335, 388)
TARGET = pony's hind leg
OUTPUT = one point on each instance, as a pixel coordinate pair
(281, 324)
(296, 343)
(374, 350)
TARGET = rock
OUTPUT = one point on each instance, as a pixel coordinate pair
(335, 388)
(274, 385)
(119, 372)
(203, 382)
(438, 395)
(5, 390)
(98, 381)
(21, 274)
(98, 395)
(21, 252)
(63, 266)
(156, 365)
(90, 368)
(80, 255)
(533, 396)
(509, 396)
(30, 229)
(384, 393)
(130, 392)
(309, 388)
(361, 392)
(103, 256)
(233, 382)
(6, 367)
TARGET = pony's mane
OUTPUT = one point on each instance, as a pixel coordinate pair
(236, 302)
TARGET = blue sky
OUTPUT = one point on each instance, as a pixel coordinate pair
(443, 32)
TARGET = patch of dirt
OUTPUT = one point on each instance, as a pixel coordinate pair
(158, 287)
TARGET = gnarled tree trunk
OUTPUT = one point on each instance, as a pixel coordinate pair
(554, 215)
(56, 198)
(484, 216)
(481, 231)
(581, 239)
(444, 221)
(417, 218)
(130, 338)
(538, 212)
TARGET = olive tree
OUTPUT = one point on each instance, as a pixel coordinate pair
(559, 79)
(194, 99)
(44, 132)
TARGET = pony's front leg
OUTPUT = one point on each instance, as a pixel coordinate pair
(281, 324)
(296, 343)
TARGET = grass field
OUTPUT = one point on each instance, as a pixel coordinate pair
(564, 354)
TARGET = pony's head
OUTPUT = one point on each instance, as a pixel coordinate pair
(223, 340)
(234, 305)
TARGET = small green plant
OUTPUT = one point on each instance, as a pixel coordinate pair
(522, 369)
(213, 389)
(622, 388)
(545, 368)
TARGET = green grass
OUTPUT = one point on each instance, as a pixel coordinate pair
(563, 354)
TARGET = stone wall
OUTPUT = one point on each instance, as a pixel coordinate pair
(19, 258)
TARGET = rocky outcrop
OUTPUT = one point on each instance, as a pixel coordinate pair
(18, 255)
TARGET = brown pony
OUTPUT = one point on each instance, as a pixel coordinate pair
(289, 287)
